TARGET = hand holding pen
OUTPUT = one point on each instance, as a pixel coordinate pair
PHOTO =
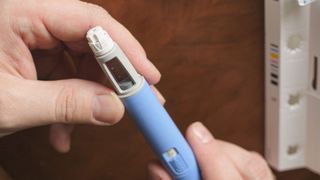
(34, 38)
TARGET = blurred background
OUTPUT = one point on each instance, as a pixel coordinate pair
(211, 55)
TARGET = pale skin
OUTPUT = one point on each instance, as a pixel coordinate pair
(55, 26)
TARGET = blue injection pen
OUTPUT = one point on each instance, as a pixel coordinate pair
(144, 108)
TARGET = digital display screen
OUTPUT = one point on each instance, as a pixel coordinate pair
(119, 73)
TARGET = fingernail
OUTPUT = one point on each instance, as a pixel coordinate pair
(201, 133)
(107, 108)
(159, 95)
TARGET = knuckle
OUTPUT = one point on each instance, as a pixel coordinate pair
(257, 166)
(96, 10)
(66, 104)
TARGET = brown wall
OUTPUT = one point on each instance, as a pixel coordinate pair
(210, 53)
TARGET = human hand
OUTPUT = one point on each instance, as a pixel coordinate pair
(37, 33)
(218, 160)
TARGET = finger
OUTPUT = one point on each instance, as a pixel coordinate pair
(159, 95)
(251, 165)
(66, 101)
(157, 172)
(59, 137)
(70, 22)
(213, 162)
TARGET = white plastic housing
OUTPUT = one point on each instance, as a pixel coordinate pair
(292, 103)
(114, 63)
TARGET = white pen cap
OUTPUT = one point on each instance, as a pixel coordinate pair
(99, 41)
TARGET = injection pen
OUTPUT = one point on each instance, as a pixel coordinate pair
(144, 108)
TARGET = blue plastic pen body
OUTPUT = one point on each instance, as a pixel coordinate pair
(162, 134)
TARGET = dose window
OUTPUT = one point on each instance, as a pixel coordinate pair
(119, 73)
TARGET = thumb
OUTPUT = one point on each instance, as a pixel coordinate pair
(30, 103)
(213, 162)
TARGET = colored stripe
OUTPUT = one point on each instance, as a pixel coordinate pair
(274, 56)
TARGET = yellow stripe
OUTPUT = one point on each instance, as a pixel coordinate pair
(274, 56)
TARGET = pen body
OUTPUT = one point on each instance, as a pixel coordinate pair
(162, 134)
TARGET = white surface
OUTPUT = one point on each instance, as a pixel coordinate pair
(292, 107)
(313, 114)
(305, 2)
